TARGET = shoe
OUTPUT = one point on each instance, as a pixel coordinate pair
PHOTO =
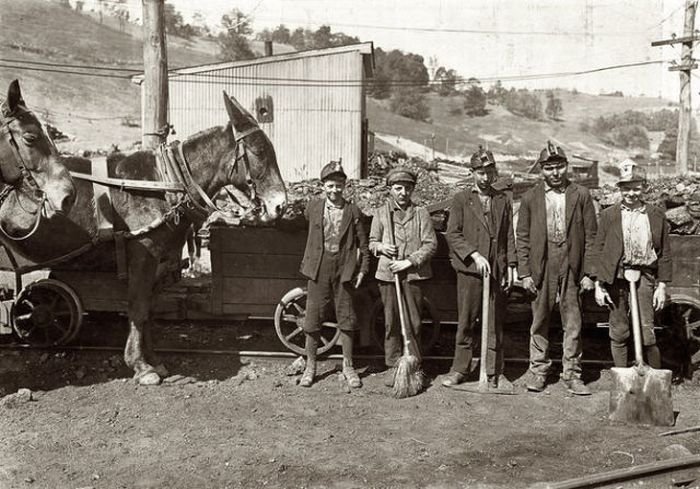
(307, 377)
(453, 378)
(493, 381)
(577, 387)
(389, 376)
(352, 377)
(536, 383)
(504, 384)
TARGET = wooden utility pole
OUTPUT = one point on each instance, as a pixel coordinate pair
(686, 66)
(155, 80)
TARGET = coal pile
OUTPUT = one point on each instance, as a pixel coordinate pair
(679, 196)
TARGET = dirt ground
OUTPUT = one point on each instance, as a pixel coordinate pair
(232, 422)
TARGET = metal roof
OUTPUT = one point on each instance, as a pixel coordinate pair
(362, 48)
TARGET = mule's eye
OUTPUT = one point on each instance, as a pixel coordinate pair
(29, 137)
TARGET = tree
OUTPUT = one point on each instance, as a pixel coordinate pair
(281, 35)
(410, 102)
(322, 38)
(554, 106)
(447, 81)
(233, 43)
(237, 22)
(298, 39)
(497, 93)
(173, 19)
(475, 101)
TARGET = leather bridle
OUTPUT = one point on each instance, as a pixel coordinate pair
(18, 167)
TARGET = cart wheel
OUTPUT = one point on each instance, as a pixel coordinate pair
(430, 332)
(289, 319)
(47, 313)
(680, 320)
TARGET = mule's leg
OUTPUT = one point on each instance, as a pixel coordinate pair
(142, 272)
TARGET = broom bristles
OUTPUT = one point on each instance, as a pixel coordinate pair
(409, 378)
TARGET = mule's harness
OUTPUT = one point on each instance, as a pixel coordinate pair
(20, 167)
(177, 178)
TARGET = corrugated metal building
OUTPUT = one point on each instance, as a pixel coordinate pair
(310, 103)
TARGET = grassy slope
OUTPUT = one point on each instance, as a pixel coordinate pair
(89, 108)
(504, 132)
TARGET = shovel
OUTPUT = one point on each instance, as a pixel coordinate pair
(640, 394)
(482, 386)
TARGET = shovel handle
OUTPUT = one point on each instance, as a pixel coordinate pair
(399, 294)
(485, 318)
(636, 323)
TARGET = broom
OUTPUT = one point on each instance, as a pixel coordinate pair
(408, 380)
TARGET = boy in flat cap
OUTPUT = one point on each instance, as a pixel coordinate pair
(555, 242)
(330, 262)
(480, 237)
(632, 234)
(403, 238)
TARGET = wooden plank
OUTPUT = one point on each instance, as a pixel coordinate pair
(685, 67)
(242, 265)
(675, 40)
(259, 240)
(257, 290)
(217, 271)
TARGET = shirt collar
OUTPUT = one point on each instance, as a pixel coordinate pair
(641, 209)
(488, 192)
(396, 207)
(331, 205)
(559, 190)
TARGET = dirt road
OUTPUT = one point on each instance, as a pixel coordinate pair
(233, 424)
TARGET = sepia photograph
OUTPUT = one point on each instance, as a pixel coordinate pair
(338, 244)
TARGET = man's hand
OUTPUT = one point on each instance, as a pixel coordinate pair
(398, 266)
(602, 297)
(387, 250)
(529, 285)
(660, 296)
(482, 264)
(586, 284)
(510, 278)
(358, 279)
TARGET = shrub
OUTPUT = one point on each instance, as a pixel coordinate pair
(410, 102)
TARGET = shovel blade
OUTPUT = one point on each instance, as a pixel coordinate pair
(641, 396)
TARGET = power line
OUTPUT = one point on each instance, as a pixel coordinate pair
(64, 65)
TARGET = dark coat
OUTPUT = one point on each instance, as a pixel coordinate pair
(531, 232)
(610, 250)
(352, 237)
(467, 232)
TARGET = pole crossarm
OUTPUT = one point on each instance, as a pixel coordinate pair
(685, 67)
(676, 40)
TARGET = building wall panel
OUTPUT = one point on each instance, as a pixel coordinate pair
(313, 122)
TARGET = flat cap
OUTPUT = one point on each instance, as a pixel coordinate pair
(482, 158)
(333, 169)
(400, 175)
(551, 152)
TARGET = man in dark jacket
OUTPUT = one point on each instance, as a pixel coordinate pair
(480, 237)
(632, 234)
(330, 262)
(555, 238)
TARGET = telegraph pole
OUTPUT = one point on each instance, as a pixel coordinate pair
(685, 67)
(155, 81)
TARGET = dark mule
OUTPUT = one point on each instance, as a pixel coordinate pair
(239, 154)
(36, 190)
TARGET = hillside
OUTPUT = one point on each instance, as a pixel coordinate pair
(91, 109)
(505, 133)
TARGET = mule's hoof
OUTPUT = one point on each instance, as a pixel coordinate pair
(150, 378)
(161, 370)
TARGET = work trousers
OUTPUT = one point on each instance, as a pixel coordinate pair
(620, 310)
(327, 289)
(469, 290)
(558, 285)
(393, 337)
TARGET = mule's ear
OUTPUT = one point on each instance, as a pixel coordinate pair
(239, 117)
(14, 97)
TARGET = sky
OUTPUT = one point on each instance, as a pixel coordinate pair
(491, 39)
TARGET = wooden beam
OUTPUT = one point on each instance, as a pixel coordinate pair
(684, 115)
(675, 40)
(683, 67)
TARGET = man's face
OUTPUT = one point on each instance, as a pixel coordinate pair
(632, 193)
(333, 187)
(485, 176)
(401, 192)
(554, 173)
